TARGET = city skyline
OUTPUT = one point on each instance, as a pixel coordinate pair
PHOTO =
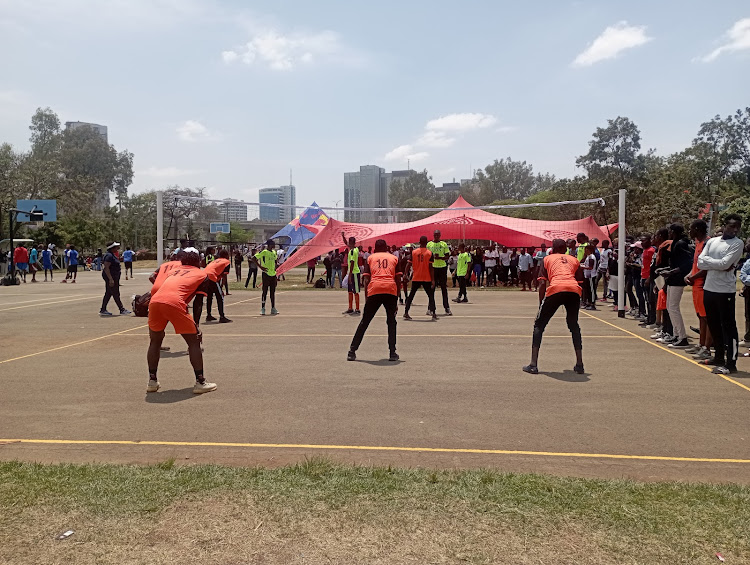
(309, 87)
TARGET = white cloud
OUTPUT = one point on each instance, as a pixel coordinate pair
(506, 129)
(736, 39)
(193, 130)
(461, 122)
(416, 157)
(404, 153)
(284, 52)
(613, 41)
(433, 138)
(168, 172)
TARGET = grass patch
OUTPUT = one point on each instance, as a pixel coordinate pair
(328, 512)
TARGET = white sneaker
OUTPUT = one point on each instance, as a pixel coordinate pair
(205, 386)
(152, 386)
(658, 335)
(666, 338)
(744, 343)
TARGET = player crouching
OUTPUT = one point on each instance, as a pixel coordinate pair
(169, 305)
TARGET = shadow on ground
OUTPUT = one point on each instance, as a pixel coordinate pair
(170, 396)
(567, 376)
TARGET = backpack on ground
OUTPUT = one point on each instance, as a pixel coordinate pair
(320, 283)
(140, 304)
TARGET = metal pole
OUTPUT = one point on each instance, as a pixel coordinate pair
(159, 227)
(621, 255)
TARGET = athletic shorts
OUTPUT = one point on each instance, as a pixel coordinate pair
(161, 314)
(128, 264)
(661, 301)
(22, 266)
(72, 268)
(354, 283)
(698, 301)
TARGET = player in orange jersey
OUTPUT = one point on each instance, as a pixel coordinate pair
(381, 289)
(169, 305)
(558, 287)
(423, 276)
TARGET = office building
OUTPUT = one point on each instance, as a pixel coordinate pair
(369, 188)
(286, 195)
(101, 130)
(233, 211)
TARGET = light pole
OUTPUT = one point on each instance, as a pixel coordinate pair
(337, 206)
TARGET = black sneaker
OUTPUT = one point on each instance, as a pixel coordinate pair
(464, 301)
(456, 300)
(351, 356)
(393, 357)
(578, 369)
(357, 312)
(224, 320)
(448, 312)
(210, 318)
(531, 369)
(349, 311)
(406, 316)
(434, 316)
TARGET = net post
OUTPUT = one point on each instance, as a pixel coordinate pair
(621, 255)
(159, 227)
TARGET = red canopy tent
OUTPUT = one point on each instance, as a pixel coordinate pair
(460, 221)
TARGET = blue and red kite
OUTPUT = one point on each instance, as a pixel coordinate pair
(295, 230)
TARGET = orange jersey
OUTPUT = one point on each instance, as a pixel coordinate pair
(162, 273)
(215, 269)
(560, 273)
(699, 245)
(180, 286)
(382, 272)
(420, 264)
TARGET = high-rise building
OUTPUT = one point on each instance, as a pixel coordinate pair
(233, 211)
(286, 195)
(369, 188)
(101, 130)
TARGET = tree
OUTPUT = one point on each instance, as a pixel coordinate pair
(614, 154)
(236, 234)
(184, 217)
(506, 179)
(416, 185)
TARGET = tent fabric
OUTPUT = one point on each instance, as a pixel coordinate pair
(297, 230)
(459, 222)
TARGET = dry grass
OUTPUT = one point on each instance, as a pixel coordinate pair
(319, 512)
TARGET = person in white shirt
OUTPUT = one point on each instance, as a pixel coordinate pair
(525, 266)
(490, 264)
(603, 273)
(719, 259)
(504, 259)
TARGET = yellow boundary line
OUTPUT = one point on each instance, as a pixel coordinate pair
(667, 350)
(374, 448)
(400, 335)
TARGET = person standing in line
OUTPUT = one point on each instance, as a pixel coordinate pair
(127, 259)
(589, 276)
(719, 258)
(72, 264)
(328, 268)
(504, 258)
(353, 275)
(252, 270)
(33, 262)
(744, 293)
(440, 254)
(696, 278)
(477, 261)
(490, 264)
(403, 268)
(382, 280)
(603, 273)
(647, 258)
(538, 261)
(47, 264)
(168, 304)
(525, 265)
(238, 259)
(336, 262)
(514, 267)
(423, 276)
(463, 272)
(680, 264)
(266, 261)
(111, 275)
(558, 287)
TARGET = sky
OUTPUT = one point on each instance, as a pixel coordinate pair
(231, 95)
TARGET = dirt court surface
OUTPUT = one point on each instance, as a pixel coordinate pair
(74, 389)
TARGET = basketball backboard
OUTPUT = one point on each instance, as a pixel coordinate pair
(48, 208)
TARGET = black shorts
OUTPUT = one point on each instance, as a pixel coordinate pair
(129, 265)
(72, 268)
(354, 282)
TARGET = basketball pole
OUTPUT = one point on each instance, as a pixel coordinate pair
(621, 255)
(159, 227)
